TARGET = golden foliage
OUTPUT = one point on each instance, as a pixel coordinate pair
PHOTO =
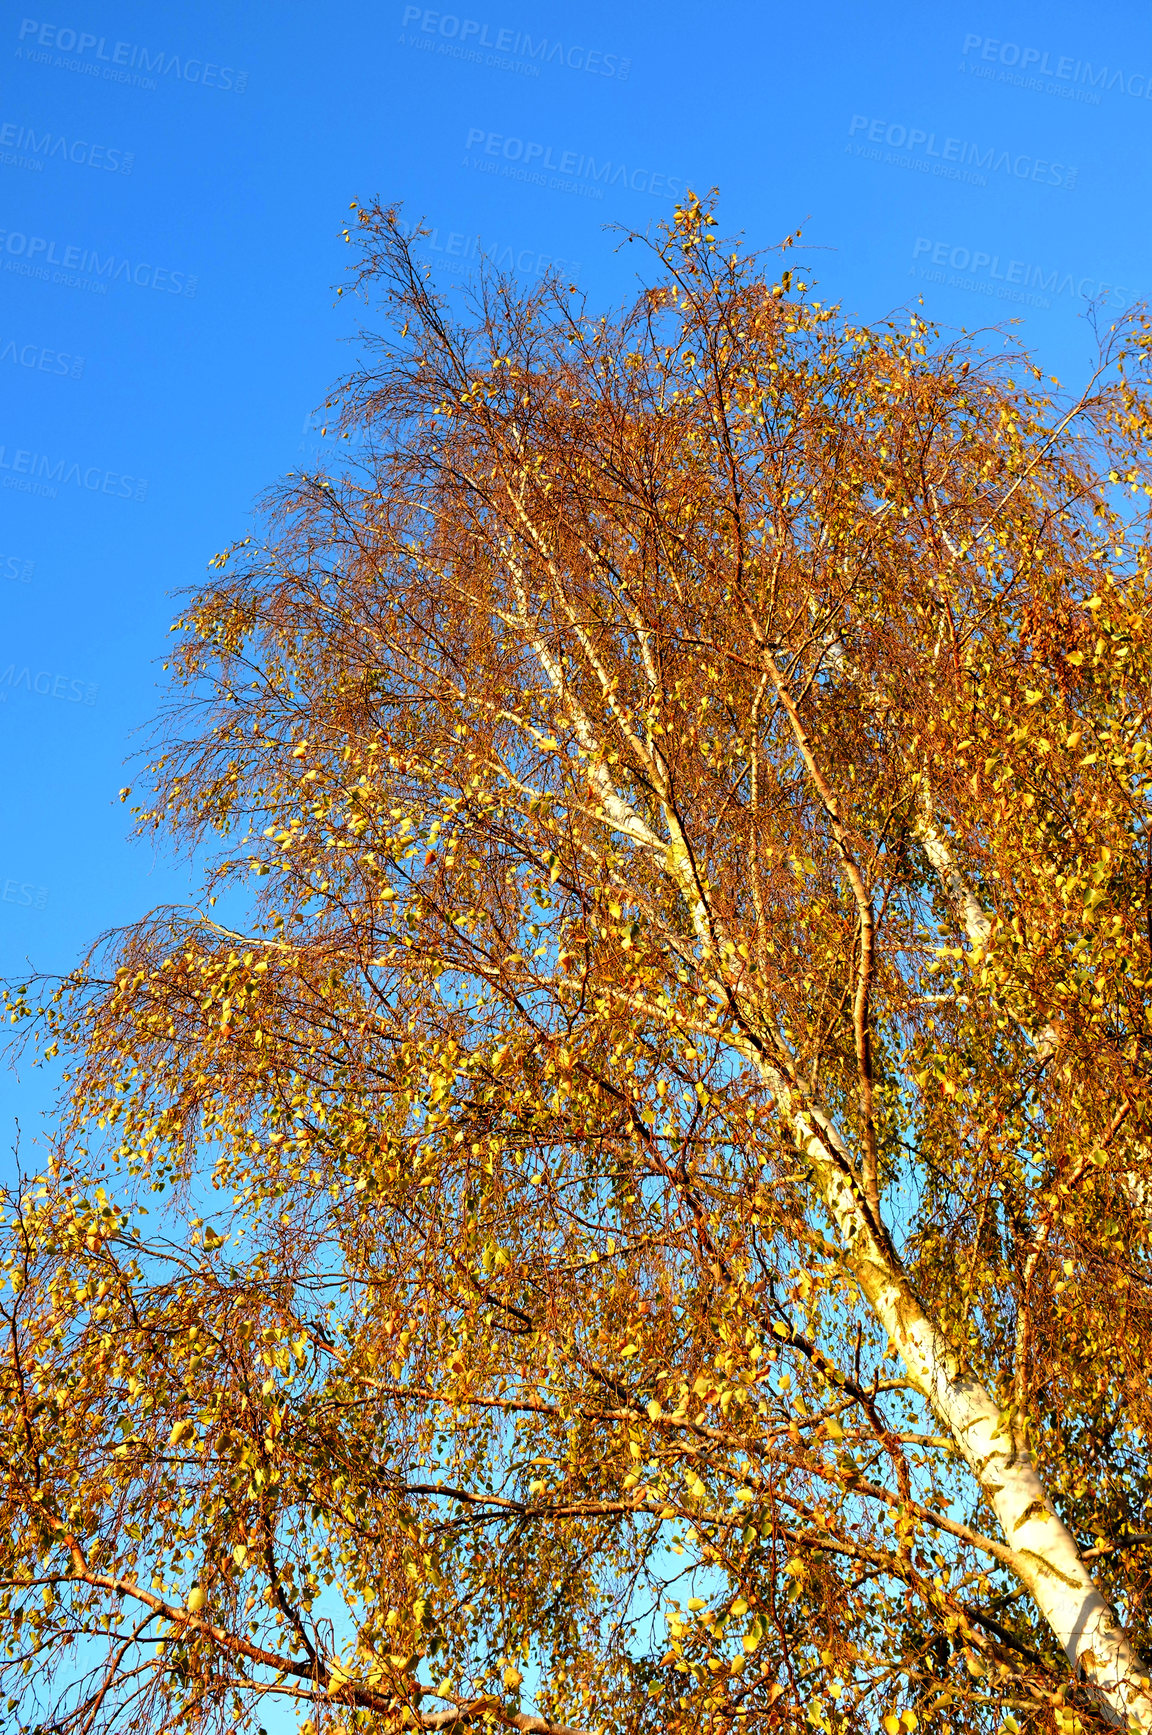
(694, 768)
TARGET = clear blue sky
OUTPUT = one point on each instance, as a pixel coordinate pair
(175, 179)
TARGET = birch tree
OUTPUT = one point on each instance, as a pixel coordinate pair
(624, 1205)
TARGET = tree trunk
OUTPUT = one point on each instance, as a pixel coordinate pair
(1047, 1558)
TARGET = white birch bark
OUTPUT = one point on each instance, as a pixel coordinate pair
(1047, 1559)
(977, 926)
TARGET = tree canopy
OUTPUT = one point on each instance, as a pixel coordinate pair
(626, 1204)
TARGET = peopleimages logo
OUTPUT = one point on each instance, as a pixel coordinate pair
(85, 268)
(40, 359)
(1028, 66)
(22, 892)
(987, 268)
(25, 147)
(464, 37)
(959, 159)
(46, 685)
(456, 245)
(123, 62)
(529, 160)
(31, 472)
(16, 568)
